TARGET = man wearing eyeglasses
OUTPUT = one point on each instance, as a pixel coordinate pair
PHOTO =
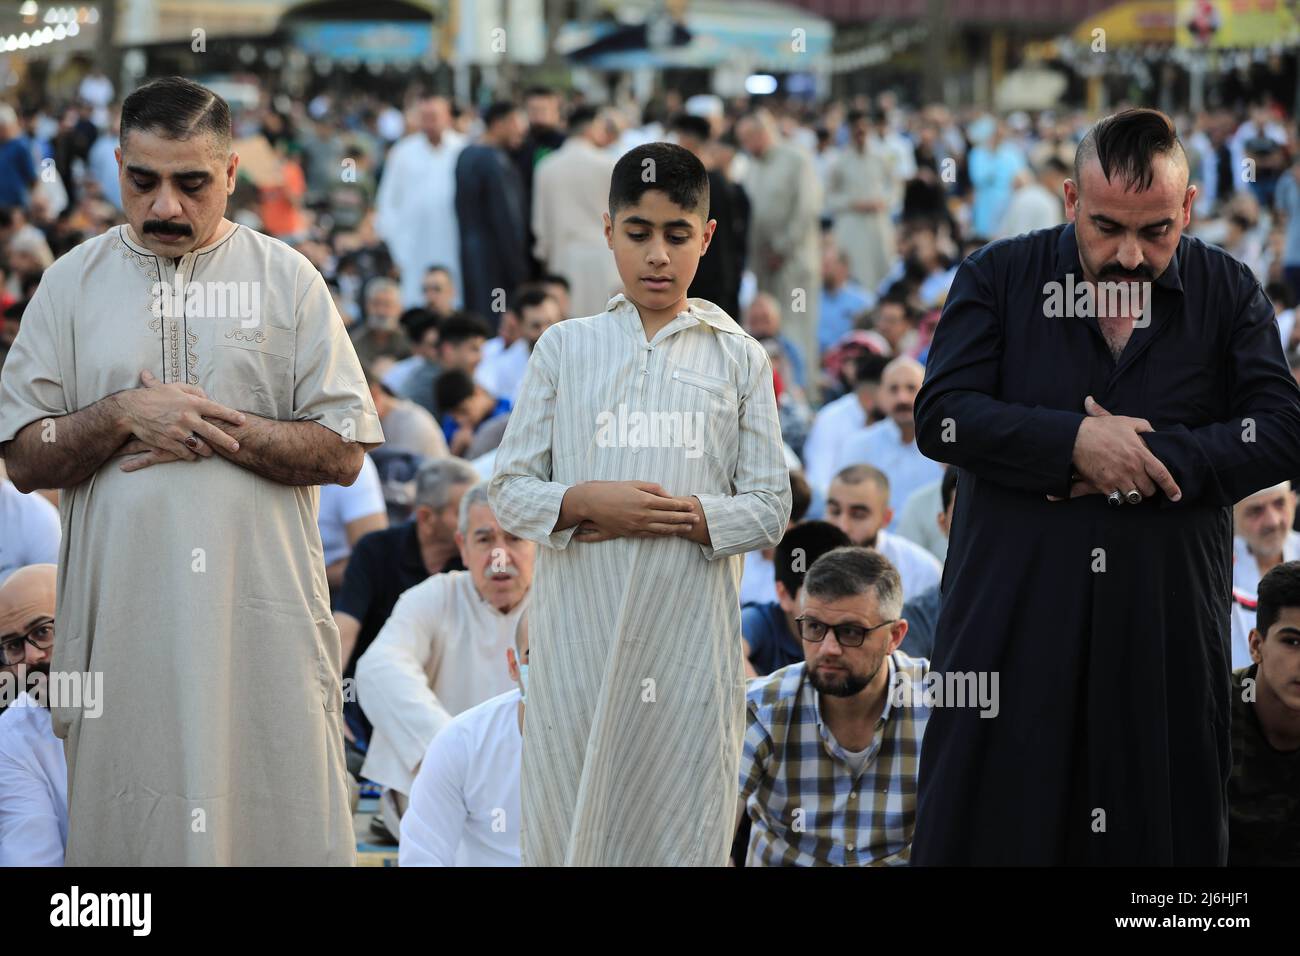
(33, 771)
(832, 744)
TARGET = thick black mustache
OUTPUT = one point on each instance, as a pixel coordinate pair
(167, 228)
(1119, 272)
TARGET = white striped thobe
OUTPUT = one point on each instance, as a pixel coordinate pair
(636, 692)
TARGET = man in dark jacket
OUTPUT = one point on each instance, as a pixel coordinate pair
(1109, 389)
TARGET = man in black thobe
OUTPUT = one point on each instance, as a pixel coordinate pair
(492, 216)
(1108, 624)
(718, 277)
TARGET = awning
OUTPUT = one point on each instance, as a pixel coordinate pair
(1135, 23)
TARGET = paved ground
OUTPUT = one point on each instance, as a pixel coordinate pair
(370, 853)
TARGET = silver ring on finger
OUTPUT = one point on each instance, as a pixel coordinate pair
(1134, 497)
(192, 443)
(1115, 499)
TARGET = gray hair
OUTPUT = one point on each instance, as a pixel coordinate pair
(434, 481)
(849, 572)
(380, 284)
(478, 495)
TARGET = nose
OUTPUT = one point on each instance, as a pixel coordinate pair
(657, 253)
(1130, 254)
(37, 655)
(166, 205)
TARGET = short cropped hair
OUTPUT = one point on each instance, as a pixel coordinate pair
(801, 547)
(176, 108)
(849, 572)
(435, 480)
(1278, 590)
(671, 169)
(461, 327)
(856, 474)
(452, 387)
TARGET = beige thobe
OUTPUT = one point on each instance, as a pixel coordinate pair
(570, 198)
(636, 683)
(197, 589)
(866, 237)
(785, 209)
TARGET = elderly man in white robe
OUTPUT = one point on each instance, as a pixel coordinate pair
(440, 652)
(187, 383)
(416, 202)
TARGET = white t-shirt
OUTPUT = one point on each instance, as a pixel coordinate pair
(464, 808)
(1245, 569)
(503, 370)
(33, 787)
(441, 652)
(917, 567)
(833, 422)
(29, 530)
(340, 505)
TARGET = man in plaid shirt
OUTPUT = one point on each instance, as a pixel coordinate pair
(832, 746)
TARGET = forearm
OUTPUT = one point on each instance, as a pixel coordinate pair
(293, 453)
(63, 452)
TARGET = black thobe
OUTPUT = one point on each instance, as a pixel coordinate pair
(718, 276)
(1112, 742)
(493, 228)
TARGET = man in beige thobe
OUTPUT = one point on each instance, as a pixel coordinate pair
(859, 191)
(570, 191)
(784, 229)
(187, 433)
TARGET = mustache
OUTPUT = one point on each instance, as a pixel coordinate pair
(1117, 271)
(167, 228)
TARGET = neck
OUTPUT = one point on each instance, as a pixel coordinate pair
(435, 553)
(652, 320)
(519, 716)
(1265, 562)
(1281, 724)
(908, 432)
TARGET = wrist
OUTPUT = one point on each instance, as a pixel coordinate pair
(116, 407)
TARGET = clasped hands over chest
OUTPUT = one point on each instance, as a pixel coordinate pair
(1110, 455)
(162, 416)
(616, 509)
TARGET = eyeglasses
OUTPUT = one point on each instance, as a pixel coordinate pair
(13, 651)
(847, 635)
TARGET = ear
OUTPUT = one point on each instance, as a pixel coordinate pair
(709, 228)
(1255, 640)
(1071, 200)
(609, 230)
(512, 664)
(897, 632)
(232, 167)
(889, 518)
(1188, 199)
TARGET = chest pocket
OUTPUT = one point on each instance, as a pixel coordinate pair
(253, 370)
(711, 406)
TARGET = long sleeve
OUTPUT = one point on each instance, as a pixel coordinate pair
(524, 498)
(392, 683)
(542, 215)
(803, 206)
(30, 833)
(388, 197)
(756, 514)
(838, 195)
(1222, 463)
(958, 419)
(435, 820)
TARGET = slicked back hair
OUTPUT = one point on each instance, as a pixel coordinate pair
(1126, 144)
(176, 108)
(671, 169)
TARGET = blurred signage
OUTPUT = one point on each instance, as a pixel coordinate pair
(1220, 24)
(374, 41)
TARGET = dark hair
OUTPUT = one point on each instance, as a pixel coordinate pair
(417, 321)
(498, 111)
(869, 368)
(531, 298)
(176, 108)
(1056, 164)
(552, 278)
(811, 539)
(1280, 292)
(452, 387)
(1126, 143)
(674, 171)
(539, 90)
(461, 327)
(849, 572)
(948, 487)
(854, 116)
(580, 119)
(696, 126)
(1278, 590)
(800, 495)
(438, 267)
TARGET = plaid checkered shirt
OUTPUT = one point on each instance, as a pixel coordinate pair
(807, 806)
